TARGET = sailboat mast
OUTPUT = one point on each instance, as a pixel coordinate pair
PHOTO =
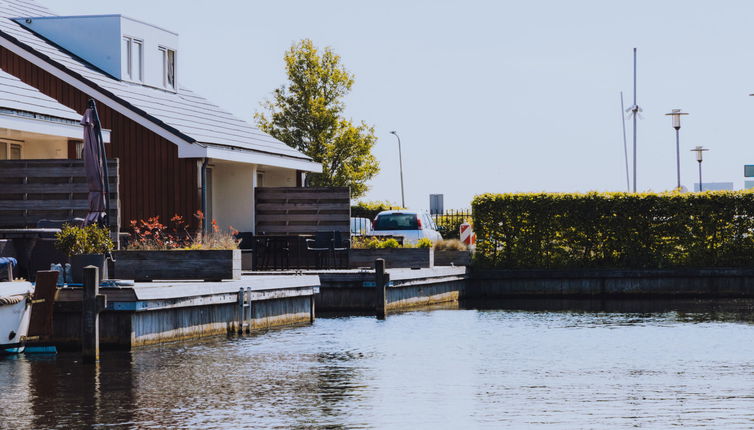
(625, 144)
(636, 112)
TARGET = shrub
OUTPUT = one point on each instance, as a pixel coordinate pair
(424, 243)
(389, 243)
(615, 230)
(151, 235)
(450, 245)
(371, 209)
(90, 239)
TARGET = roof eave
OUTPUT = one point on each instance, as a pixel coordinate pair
(249, 156)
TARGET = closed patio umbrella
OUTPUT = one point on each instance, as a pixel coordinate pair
(95, 166)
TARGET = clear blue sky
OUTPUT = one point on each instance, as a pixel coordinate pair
(495, 96)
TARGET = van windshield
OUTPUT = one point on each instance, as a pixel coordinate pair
(396, 222)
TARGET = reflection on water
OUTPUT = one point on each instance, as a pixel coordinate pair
(561, 364)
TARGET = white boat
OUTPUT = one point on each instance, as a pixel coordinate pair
(15, 313)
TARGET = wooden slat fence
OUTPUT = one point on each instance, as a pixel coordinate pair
(292, 211)
(31, 190)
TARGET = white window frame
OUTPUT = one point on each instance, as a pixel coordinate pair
(164, 53)
(8, 143)
(129, 73)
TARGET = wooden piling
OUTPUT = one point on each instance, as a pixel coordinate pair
(381, 280)
(92, 304)
(40, 325)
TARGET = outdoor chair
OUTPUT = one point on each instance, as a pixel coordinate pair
(321, 245)
(340, 246)
(6, 266)
(271, 253)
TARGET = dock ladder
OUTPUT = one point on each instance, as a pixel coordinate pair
(245, 314)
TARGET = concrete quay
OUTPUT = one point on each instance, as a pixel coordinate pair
(613, 283)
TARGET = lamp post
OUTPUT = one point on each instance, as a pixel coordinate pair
(699, 150)
(676, 117)
(400, 161)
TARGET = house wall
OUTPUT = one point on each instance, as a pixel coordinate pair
(233, 195)
(49, 149)
(277, 177)
(154, 181)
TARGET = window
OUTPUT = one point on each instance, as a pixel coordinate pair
(397, 221)
(10, 151)
(79, 150)
(132, 58)
(168, 68)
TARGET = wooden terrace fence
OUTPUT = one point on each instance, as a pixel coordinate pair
(31, 190)
(294, 211)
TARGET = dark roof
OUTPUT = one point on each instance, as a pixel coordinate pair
(183, 113)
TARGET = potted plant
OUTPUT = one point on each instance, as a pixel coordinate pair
(363, 253)
(452, 252)
(176, 252)
(85, 246)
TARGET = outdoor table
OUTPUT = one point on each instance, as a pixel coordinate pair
(24, 240)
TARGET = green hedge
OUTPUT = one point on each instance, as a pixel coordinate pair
(614, 230)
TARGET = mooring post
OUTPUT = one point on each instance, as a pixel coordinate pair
(381, 280)
(250, 314)
(92, 303)
(241, 311)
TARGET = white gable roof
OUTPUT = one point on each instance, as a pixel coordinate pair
(199, 127)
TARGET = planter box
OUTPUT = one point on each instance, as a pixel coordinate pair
(450, 257)
(394, 257)
(208, 265)
(78, 262)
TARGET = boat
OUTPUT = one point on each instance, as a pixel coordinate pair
(15, 314)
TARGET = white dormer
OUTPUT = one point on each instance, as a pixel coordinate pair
(126, 49)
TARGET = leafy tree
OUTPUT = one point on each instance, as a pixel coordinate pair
(306, 114)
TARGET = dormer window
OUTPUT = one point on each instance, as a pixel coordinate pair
(168, 67)
(132, 56)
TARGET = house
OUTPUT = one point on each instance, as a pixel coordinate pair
(178, 152)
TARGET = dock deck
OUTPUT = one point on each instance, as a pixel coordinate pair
(353, 291)
(164, 311)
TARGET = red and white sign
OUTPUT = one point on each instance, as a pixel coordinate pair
(467, 234)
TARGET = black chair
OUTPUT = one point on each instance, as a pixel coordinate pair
(340, 246)
(271, 253)
(321, 245)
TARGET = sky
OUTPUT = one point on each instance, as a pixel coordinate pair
(492, 96)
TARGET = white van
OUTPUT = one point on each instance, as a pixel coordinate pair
(412, 225)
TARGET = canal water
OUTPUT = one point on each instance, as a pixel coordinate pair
(521, 365)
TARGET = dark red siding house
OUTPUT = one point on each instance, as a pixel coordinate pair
(174, 146)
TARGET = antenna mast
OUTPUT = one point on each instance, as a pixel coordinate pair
(625, 144)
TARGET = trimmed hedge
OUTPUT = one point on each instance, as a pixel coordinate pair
(614, 230)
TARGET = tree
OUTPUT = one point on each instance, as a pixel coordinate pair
(307, 114)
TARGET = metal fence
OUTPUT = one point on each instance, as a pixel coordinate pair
(450, 222)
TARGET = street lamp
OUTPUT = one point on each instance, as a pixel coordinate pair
(400, 160)
(676, 116)
(699, 150)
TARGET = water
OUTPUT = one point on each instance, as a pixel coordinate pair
(557, 365)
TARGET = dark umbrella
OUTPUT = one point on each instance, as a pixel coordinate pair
(95, 165)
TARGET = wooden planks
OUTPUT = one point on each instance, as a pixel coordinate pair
(31, 190)
(178, 264)
(293, 210)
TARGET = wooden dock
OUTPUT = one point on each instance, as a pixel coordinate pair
(354, 291)
(166, 311)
